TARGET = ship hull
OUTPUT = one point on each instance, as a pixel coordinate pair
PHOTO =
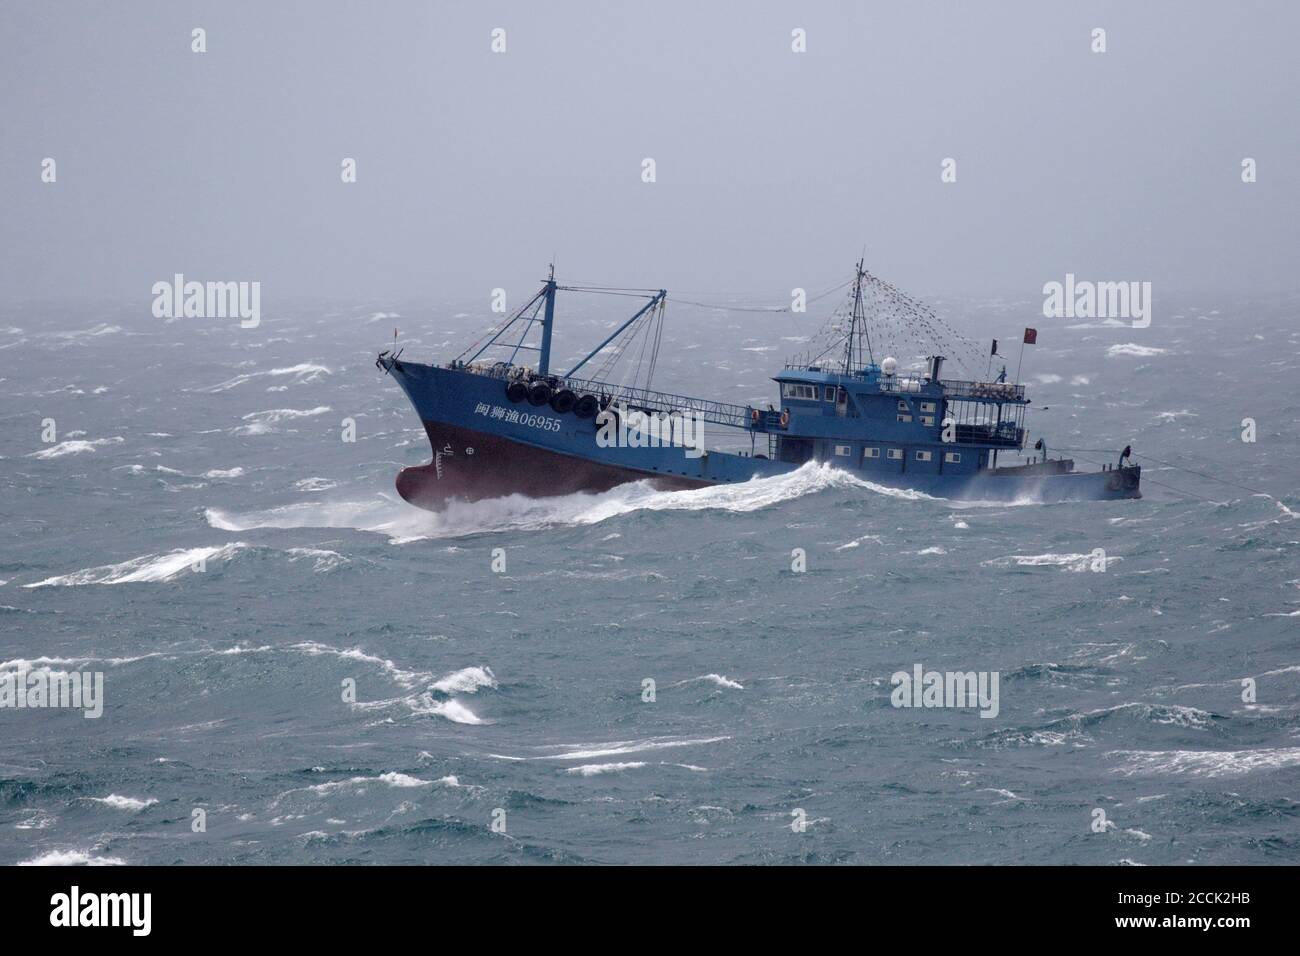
(487, 447)
(471, 465)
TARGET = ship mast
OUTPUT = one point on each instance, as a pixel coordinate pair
(544, 360)
(858, 319)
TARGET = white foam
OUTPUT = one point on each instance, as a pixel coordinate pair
(1207, 763)
(260, 423)
(467, 680)
(1133, 350)
(118, 802)
(77, 447)
(400, 781)
(1067, 562)
(72, 858)
(315, 484)
(616, 748)
(452, 710)
(149, 568)
(303, 372)
(403, 677)
(592, 769)
(325, 560)
(720, 679)
(402, 523)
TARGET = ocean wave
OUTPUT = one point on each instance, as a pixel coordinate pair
(301, 373)
(172, 565)
(72, 858)
(149, 568)
(394, 779)
(405, 678)
(1077, 729)
(315, 484)
(467, 680)
(453, 710)
(403, 523)
(720, 679)
(118, 802)
(262, 423)
(75, 447)
(614, 748)
(1207, 763)
(94, 332)
(593, 769)
(325, 560)
(210, 474)
(1067, 562)
(1133, 350)
(38, 663)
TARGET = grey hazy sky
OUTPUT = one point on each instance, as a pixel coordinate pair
(775, 169)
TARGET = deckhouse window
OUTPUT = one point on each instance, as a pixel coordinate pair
(830, 393)
(927, 406)
(871, 453)
(896, 453)
(902, 405)
(904, 418)
(844, 450)
(923, 456)
(793, 390)
(952, 457)
(927, 420)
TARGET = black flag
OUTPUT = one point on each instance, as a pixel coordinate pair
(995, 349)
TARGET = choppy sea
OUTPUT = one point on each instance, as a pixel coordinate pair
(182, 514)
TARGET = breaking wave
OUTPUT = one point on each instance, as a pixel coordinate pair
(72, 858)
(301, 373)
(260, 423)
(1206, 763)
(1133, 350)
(403, 523)
(1066, 562)
(156, 568)
(147, 568)
(75, 447)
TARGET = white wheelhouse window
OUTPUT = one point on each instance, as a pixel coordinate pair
(871, 453)
(952, 457)
(896, 453)
(844, 450)
(923, 456)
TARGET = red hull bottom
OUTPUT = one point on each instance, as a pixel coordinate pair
(469, 466)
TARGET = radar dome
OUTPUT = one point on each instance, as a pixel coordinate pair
(889, 365)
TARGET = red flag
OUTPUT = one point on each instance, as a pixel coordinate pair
(1031, 336)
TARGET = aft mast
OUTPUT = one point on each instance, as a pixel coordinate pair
(857, 321)
(544, 361)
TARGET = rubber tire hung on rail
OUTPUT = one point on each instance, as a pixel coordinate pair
(539, 393)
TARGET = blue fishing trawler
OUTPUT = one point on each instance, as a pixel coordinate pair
(505, 427)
